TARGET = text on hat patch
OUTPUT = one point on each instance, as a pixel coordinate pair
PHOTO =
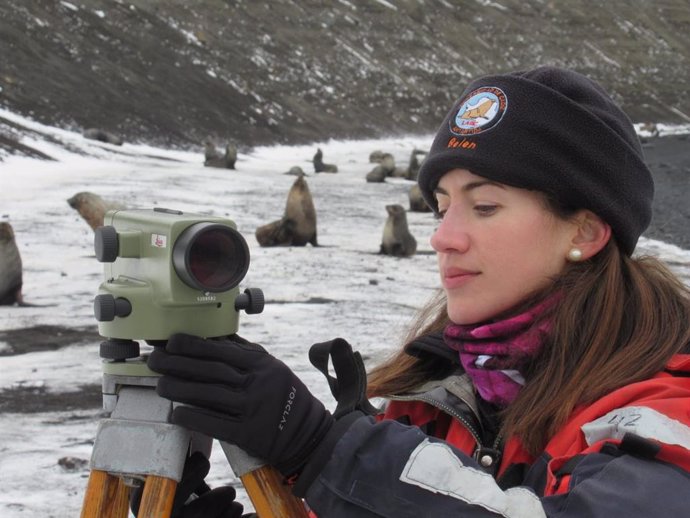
(454, 142)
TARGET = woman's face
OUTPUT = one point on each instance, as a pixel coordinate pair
(495, 245)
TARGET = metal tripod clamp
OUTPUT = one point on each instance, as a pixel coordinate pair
(271, 496)
(240, 461)
(138, 439)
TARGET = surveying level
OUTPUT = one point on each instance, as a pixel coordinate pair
(166, 272)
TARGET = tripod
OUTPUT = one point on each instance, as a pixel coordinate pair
(138, 444)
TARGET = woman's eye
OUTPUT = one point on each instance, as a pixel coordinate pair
(440, 214)
(485, 210)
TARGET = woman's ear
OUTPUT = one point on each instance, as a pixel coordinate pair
(591, 235)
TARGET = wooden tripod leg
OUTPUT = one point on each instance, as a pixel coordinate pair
(106, 496)
(272, 498)
(157, 498)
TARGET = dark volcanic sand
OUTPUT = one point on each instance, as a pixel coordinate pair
(669, 160)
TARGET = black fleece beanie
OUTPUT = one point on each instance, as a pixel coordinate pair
(551, 130)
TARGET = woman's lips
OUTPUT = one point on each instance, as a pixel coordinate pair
(456, 277)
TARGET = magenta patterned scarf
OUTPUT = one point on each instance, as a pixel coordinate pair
(495, 354)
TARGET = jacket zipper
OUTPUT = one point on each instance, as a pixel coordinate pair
(447, 409)
(479, 448)
(497, 441)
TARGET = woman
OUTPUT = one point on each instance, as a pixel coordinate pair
(549, 378)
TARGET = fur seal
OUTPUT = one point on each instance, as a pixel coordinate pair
(417, 203)
(415, 164)
(650, 129)
(297, 227)
(230, 155)
(377, 175)
(210, 151)
(276, 233)
(385, 167)
(92, 207)
(102, 136)
(397, 240)
(10, 268)
(300, 209)
(320, 166)
(388, 164)
(296, 170)
(212, 158)
(376, 156)
(412, 170)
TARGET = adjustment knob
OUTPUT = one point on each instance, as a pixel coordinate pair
(119, 349)
(251, 301)
(106, 244)
(106, 307)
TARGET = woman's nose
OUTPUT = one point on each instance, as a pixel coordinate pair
(449, 236)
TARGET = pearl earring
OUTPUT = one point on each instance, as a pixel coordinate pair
(575, 255)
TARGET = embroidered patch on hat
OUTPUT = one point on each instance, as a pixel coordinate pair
(479, 111)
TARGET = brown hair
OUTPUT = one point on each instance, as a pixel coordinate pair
(620, 321)
(401, 372)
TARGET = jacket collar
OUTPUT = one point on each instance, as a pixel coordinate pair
(434, 346)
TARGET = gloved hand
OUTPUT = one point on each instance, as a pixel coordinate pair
(211, 503)
(242, 395)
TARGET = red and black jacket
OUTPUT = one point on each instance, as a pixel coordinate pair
(429, 454)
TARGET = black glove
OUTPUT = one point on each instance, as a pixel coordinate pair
(211, 503)
(242, 395)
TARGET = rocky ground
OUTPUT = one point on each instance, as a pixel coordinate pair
(669, 161)
(38, 399)
(290, 71)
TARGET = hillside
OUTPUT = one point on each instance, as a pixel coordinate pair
(171, 72)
